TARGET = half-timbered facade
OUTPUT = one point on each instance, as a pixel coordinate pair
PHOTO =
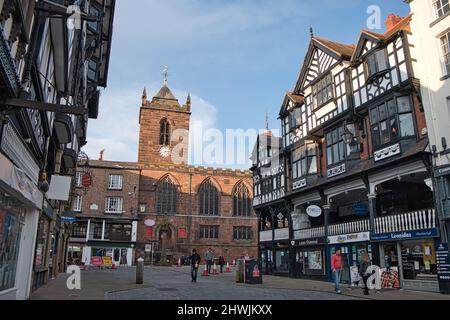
(48, 91)
(354, 137)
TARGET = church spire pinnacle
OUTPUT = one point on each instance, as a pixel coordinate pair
(165, 73)
(267, 121)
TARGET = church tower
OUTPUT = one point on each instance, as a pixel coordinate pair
(164, 128)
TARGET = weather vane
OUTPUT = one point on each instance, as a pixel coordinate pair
(165, 73)
(267, 121)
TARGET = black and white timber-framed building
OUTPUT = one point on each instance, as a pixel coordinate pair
(358, 177)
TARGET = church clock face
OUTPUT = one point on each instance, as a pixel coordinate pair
(164, 151)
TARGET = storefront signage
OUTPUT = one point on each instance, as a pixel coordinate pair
(360, 209)
(97, 261)
(265, 236)
(443, 265)
(333, 172)
(414, 234)
(309, 242)
(314, 211)
(442, 171)
(282, 234)
(149, 222)
(387, 152)
(349, 238)
(148, 248)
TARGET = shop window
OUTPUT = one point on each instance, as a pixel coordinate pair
(419, 259)
(391, 121)
(323, 91)
(304, 160)
(376, 63)
(41, 241)
(11, 221)
(120, 232)
(282, 260)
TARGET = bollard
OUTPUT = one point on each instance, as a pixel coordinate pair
(140, 271)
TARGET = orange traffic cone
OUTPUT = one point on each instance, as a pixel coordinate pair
(205, 271)
(179, 263)
(227, 269)
(215, 269)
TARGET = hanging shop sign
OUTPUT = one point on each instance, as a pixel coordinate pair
(314, 211)
(349, 238)
(404, 235)
(149, 222)
(86, 180)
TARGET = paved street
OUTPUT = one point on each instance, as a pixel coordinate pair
(173, 283)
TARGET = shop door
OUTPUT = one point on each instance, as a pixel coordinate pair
(116, 256)
(345, 265)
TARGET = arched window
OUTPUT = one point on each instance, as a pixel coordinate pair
(208, 199)
(166, 196)
(242, 201)
(164, 133)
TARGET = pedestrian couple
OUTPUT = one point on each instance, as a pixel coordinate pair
(336, 268)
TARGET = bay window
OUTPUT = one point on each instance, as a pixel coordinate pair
(338, 149)
(304, 161)
(392, 120)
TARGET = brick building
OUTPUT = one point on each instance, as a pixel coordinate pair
(184, 207)
(173, 207)
(106, 212)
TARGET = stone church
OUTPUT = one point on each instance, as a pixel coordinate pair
(182, 207)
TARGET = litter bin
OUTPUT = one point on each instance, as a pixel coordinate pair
(252, 272)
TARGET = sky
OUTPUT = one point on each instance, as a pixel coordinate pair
(236, 58)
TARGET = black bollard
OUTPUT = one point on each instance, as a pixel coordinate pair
(140, 271)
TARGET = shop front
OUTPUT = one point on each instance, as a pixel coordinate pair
(20, 202)
(352, 247)
(308, 259)
(281, 250)
(409, 259)
(266, 251)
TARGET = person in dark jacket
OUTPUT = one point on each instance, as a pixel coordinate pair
(195, 263)
(221, 263)
(365, 263)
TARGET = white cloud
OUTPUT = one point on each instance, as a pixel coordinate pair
(117, 128)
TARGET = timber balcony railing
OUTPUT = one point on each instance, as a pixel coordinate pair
(318, 232)
(416, 220)
(335, 229)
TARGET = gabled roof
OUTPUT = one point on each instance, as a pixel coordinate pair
(336, 50)
(295, 98)
(365, 34)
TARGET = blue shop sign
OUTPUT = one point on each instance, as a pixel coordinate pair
(404, 235)
(361, 209)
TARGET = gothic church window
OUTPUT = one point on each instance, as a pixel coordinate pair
(166, 196)
(209, 198)
(242, 202)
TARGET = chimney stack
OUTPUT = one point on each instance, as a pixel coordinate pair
(391, 21)
(101, 154)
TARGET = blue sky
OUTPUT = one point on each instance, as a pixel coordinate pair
(236, 58)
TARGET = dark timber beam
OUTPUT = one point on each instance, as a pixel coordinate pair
(39, 105)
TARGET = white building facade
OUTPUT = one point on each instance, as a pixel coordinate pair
(430, 26)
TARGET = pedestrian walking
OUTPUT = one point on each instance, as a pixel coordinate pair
(336, 268)
(365, 263)
(221, 263)
(209, 259)
(195, 262)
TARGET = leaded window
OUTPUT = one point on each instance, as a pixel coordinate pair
(338, 149)
(166, 196)
(242, 201)
(242, 233)
(304, 160)
(209, 198)
(209, 232)
(164, 133)
(323, 91)
(376, 63)
(391, 121)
